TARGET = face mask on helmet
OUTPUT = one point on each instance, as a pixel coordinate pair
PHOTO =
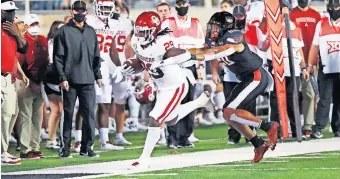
(213, 32)
(104, 10)
(144, 35)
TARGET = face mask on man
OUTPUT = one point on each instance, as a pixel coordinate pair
(80, 17)
(334, 14)
(34, 31)
(303, 3)
(240, 23)
(182, 11)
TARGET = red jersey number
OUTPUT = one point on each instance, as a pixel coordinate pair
(156, 73)
(120, 43)
(104, 42)
(168, 45)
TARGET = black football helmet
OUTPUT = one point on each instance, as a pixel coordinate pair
(218, 25)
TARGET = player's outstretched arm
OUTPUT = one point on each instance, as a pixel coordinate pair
(175, 56)
(215, 53)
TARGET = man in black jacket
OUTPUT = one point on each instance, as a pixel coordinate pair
(77, 60)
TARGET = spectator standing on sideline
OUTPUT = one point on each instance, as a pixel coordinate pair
(306, 18)
(76, 57)
(187, 33)
(163, 10)
(34, 64)
(326, 42)
(11, 42)
(53, 90)
(227, 6)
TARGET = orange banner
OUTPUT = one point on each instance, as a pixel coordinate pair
(275, 33)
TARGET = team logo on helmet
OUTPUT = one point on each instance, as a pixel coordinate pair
(155, 20)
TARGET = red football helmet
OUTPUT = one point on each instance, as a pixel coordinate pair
(145, 92)
(104, 9)
(148, 24)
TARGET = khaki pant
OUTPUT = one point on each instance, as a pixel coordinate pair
(9, 110)
(30, 104)
(308, 97)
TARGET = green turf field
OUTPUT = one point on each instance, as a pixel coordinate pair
(213, 137)
(309, 166)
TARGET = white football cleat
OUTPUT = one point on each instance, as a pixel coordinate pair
(141, 127)
(130, 126)
(112, 125)
(76, 147)
(140, 165)
(211, 117)
(52, 144)
(202, 121)
(192, 138)
(161, 141)
(121, 141)
(109, 146)
(12, 140)
(44, 135)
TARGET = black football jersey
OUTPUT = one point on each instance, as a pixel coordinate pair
(242, 63)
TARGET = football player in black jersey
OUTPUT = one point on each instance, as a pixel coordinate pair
(247, 66)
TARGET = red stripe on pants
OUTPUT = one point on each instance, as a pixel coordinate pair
(168, 106)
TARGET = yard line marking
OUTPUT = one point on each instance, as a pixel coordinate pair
(226, 165)
(301, 157)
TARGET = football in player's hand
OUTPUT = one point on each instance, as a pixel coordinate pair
(135, 64)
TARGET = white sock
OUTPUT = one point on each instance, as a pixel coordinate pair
(184, 109)
(104, 135)
(162, 133)
(78, 136)
(150, 141)
(235, 118)
(119, 135)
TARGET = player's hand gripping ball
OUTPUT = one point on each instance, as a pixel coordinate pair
(135, 64)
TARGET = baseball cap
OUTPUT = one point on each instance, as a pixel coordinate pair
(79, 5)
(182, 1)
(31, 18)
(8, 5)
(239, 10)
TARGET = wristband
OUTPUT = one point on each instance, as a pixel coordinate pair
(310, 65)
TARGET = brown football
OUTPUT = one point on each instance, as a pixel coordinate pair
(135, 64)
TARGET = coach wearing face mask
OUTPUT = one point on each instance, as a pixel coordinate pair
(34, 64)
(77, 61)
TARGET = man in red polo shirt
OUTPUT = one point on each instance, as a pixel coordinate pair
(34, 64)
(11, 42)
(306, 18)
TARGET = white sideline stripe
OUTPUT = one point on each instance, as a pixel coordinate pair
(189, 159)
(153, 174)
(326, 154)
(281, 169)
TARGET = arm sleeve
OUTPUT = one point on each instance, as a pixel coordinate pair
(23, 49)
(317, 34)
(58, 56)
(96, 61)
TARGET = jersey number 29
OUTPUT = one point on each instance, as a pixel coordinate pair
(157, 73)
(106, 42)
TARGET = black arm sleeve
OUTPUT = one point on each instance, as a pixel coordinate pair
(58, 55)
(96, 61)
(23, 49)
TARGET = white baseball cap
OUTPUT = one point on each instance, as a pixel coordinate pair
(8, 5)
(31, 18)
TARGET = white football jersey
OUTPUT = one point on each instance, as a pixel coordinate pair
(166, 76)
(106, 32)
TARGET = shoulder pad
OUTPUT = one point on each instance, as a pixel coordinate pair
(231, 37)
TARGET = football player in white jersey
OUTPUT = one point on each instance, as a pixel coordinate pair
(107, 25)
(152, 45)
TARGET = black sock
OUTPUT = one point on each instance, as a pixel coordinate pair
(256, 141)
(265, 126)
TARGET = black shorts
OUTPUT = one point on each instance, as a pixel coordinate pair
(49, 90)
(248, 90)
